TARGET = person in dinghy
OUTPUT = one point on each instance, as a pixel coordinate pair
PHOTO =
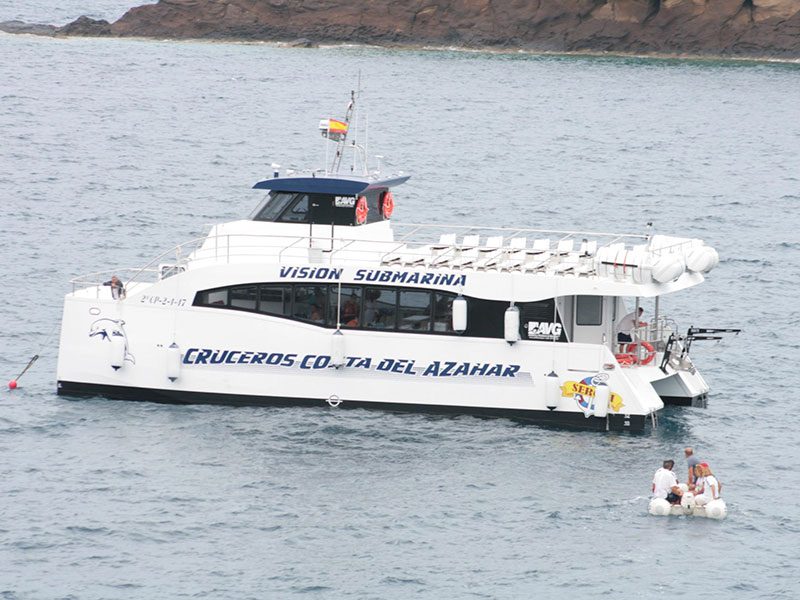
(665, 484)
(707, 488)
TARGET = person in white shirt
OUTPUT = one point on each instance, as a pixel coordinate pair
(710, 486)
(626, 325)
(665, 484)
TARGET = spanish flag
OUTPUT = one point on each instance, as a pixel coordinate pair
(333, 129)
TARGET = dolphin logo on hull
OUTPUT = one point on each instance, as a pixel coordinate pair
(107, 328)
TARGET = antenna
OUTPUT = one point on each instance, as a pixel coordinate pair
(337, 159)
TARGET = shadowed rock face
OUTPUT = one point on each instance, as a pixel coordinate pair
(767, 28)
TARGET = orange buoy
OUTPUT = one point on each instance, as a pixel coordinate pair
(387, 206)
(633, 348)
(361, 210)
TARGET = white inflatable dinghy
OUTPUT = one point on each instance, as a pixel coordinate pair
(716, 509)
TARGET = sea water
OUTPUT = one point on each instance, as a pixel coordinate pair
(114, 150)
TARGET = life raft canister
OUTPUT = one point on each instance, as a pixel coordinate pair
(361, 210)
(387, 204)
(633, 350)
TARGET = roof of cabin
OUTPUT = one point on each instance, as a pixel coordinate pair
(334, 186)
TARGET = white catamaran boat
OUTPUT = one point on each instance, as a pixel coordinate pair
(318, 298)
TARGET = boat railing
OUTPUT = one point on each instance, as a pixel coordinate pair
(100, 280)
(655, 335)
(415, 244)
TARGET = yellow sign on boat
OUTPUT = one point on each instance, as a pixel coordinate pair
(583, 391)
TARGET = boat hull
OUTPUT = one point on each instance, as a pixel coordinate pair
(577, 421)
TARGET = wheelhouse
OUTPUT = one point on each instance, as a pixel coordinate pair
(326, 200)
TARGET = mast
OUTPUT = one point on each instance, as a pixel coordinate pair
(337, 158)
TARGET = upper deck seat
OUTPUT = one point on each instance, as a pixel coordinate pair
(444, 251)
(538, 256)
(468, 252)
(491, 254)
(588, 248)
(405, 256)
(516, 254)
(540, 246)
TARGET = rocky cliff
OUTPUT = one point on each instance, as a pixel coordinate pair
(762, 28)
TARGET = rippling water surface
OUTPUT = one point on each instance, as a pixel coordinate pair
(115, 150)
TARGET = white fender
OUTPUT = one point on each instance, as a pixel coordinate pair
(716, 509)
(173, 359)
(552, 387)
(602, 396)
(511, 324)
(460, 314)
(659, 507)
(117, 351)
(337, 349)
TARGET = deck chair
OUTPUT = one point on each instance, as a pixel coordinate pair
(565, 247)
(443, 251)
(491, 254)
(540, 246)
(588, 248)
(468, 252)
(515, 254)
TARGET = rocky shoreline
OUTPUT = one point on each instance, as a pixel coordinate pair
(764, 29)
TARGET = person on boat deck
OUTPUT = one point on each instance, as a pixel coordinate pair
(350, 312)
(627, 324)
(710, 486)
(692, 461)
(117, 289)
(372, 314)
(316, 313)
(665, 484)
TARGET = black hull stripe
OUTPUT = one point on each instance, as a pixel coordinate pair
(634, 423)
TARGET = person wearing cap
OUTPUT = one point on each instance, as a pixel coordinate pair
(665, 484)
(710, 486)
(692, 461)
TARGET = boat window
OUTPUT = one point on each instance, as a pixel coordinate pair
(213, 298)
(385, 308)
(443, 312)
(350, 305)
(297, 212)
(275, 300)
(485, 318)
(278, 201)
(310, 303)
(244, 297)
(414, 312)
(380, 308)
(589, 310)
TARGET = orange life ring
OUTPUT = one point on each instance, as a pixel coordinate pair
(361, 210)
(387, 206)
(634, 350)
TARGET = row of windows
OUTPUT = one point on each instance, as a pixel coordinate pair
(293, 207)
(358, 307)
(383, 308)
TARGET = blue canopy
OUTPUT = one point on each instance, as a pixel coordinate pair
(332, 186)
